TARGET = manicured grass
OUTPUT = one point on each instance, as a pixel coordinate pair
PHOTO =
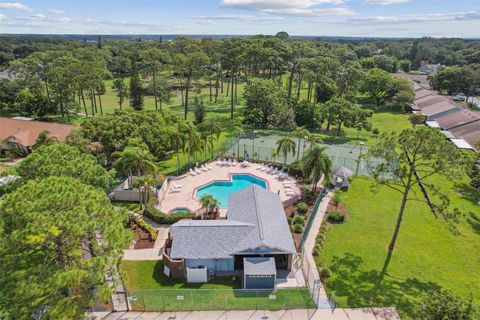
(146, 278)
(428, 255)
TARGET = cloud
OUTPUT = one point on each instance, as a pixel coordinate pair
(237, 17)
(418, 18)
(15, 6)
(385, 2)
(56, 11)
(290, 7)
(3, 17)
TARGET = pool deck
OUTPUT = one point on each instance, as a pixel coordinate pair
(185, 197)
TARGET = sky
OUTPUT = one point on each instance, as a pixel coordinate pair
(359, 18)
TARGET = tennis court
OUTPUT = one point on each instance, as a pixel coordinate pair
(261, 148)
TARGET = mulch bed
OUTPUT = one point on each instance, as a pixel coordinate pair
(341, 208)
(142, 239)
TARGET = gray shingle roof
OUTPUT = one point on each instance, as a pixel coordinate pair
(256, 218)
(259, 266)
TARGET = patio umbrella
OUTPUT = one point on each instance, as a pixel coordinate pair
(342, 172)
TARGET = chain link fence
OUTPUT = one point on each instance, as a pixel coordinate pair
(220, 299)
(263, 148)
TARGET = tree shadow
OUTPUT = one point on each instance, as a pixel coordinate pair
(467, 192)
(363, 288)
(474, 221)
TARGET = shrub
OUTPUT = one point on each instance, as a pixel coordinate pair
(302, 208)
(416, 118)
(298, 228)
(325, 273)
(144, 226)
(336, 217)
(299, 220)
(307, 195)
(375, 131)
(289, 220)
(315, 252)
(295, 169)
(162, 218)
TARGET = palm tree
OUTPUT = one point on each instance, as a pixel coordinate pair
(144, 184)
(192, 138)
(239, 133)
(274, 154)
(135, 156)
(209, 204)
(215, 130)
(286, 145)
(315, 164)
(177, 141)
(300, 132)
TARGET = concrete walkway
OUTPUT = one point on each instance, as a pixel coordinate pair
(154, 253)
(310, 244)
(296, 314)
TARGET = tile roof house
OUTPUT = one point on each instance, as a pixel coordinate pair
(21, 134)
(256, 227)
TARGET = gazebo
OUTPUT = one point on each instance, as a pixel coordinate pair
(340, 176)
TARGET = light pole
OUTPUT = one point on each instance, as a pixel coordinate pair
(253, 144)
(359, 157)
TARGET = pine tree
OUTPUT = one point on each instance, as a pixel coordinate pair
(136, 90)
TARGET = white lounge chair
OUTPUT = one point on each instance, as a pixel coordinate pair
(176, 186)
(208, 167)
(173, 189)
(274, 171)
(259, 167)
(202, 168)
(234, 162)
(218, 162)
(192, 173)
(197, 171)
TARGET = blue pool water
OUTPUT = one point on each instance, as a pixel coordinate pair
(221, 190)
(179, 210)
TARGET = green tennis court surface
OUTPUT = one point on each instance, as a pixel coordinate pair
(260, 148)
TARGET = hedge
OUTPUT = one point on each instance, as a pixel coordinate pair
(163, 218)
(144, 226)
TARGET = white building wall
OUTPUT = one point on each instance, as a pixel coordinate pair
(211, 264)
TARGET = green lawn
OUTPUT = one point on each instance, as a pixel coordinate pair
(428, 255)
(156, 292)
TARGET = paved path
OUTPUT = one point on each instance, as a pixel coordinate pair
(154, 253)
(296, 314)
(310, 244)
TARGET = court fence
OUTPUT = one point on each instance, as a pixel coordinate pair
(167, 300)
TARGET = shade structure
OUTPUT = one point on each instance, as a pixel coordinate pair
(342, 172)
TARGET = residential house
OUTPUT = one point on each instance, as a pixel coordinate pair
(21, 133)
(254, 241)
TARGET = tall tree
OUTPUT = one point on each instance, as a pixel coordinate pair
(300, 133)
(135, 159)
(191, 65)
(122, 91)
(316, 164)
(177, 141)
(136, 89)
(59, 241)
(285, 145)
(411, 157)
(154, 59)
(59, 159)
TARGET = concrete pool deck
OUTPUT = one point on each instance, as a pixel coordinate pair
(185, 197)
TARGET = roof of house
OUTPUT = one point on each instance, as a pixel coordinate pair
(259, 266)
(256, 218)
(422, 93)
(26, 132)
(470, 132)
(429, 100)
(440, 107)
(457, 119)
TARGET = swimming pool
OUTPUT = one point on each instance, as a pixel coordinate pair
(180, 210)
(221, 190)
